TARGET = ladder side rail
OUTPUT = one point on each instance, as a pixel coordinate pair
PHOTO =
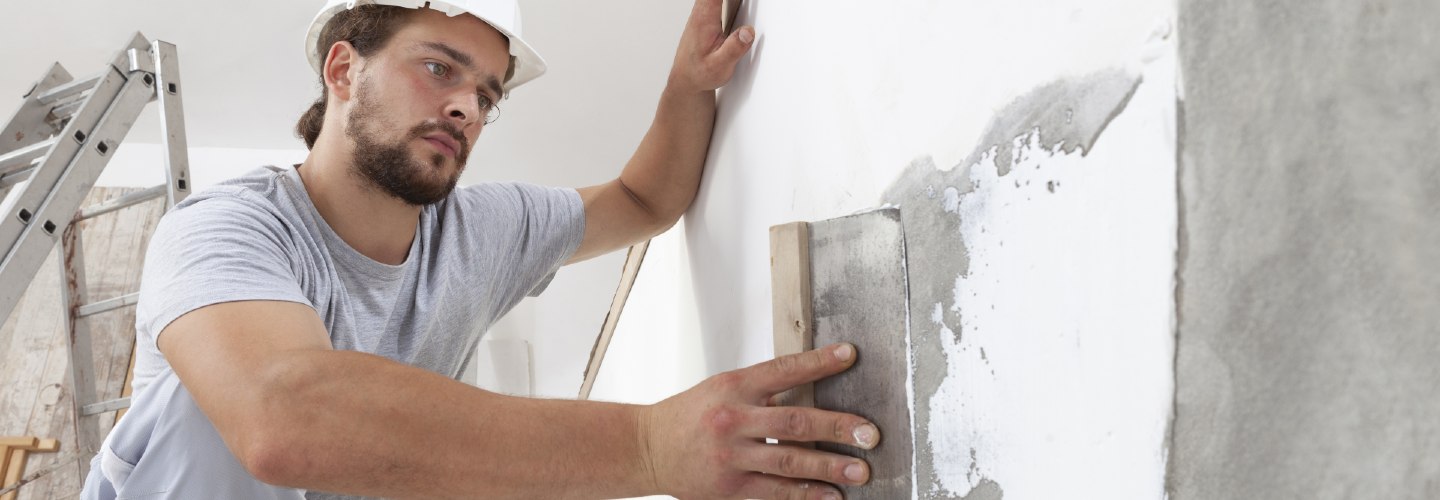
(19, 209)
(97, 104)
(37, 235)
(28, 125)
(172, 122)
(81, 375)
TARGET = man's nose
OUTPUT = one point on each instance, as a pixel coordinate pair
(464, 110)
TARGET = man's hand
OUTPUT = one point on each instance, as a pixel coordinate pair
(706, 58)
(709, 441)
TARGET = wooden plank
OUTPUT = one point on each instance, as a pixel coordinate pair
(860, 296)
(4, 461)
(791, 316)
(731, 10)
(14, 468)
(13, 464)
(628, 273)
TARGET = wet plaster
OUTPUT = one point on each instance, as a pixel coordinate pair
(1060, 117)
(1309, 334)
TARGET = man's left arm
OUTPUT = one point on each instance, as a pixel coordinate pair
(661, 180)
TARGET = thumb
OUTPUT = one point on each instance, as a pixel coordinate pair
(736, 45)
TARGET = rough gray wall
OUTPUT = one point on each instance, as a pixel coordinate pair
(1308, 362)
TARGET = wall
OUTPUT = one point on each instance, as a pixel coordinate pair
(1030, 146)
(1308, 331)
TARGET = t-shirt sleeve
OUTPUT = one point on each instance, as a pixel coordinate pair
(219, 249)
(531, 230)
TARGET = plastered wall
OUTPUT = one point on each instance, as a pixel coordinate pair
(1309, 334)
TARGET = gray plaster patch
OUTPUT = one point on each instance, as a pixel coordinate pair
(1070, 114)
(1308, 333)
(986, 490)
(1064, 115)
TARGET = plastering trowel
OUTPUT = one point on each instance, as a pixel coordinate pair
(844, 280)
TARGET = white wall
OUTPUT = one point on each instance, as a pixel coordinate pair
(1060, 384)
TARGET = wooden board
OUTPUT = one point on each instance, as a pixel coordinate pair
(859, 293)
(628, 274)
(793, 321)
(34, 400)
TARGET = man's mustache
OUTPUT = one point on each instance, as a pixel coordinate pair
(424, 129)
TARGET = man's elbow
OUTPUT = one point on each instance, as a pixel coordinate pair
(271, 462)
(268, 435)
(659, 213)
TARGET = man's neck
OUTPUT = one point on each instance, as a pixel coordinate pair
(374, 223)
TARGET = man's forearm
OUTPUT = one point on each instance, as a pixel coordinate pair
(664, 174)
(356, 423)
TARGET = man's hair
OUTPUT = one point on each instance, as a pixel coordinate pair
(368, 28)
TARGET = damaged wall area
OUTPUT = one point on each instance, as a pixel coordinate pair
(1041, 277)
(1309, 333)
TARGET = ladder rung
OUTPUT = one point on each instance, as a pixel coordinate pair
(104, 406)
(65, 111)
(131, 199)
(13, 178)
(94, 308)
(68, 90)
(24, 157)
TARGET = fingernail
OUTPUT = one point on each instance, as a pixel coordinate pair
(855, 472)
(844, 352)
(865, 435)
(746, 35)
(832, 495)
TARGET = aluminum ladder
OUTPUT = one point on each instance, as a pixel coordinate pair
(51, 153)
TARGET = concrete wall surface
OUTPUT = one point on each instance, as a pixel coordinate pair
(1309, 333)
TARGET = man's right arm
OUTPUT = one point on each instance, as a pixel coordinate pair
(298, 413)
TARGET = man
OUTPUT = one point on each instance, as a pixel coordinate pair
(300, 328)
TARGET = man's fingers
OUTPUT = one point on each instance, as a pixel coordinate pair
(803, 463)
(707, 12)
(765, 487)
(735, 45)
(775, 376)
(810, 425)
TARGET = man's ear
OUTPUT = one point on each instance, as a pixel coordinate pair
(341, 70)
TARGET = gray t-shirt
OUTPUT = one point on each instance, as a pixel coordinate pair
(259, 237)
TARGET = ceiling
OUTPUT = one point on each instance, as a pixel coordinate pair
(247, 79)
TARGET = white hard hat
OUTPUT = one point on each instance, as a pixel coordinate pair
(503, 15)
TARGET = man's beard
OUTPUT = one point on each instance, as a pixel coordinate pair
(391, 167)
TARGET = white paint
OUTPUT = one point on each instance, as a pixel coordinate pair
(1067, 312)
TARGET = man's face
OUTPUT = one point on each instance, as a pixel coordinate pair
(419, 104)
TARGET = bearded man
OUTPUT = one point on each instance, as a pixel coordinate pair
(301, 328)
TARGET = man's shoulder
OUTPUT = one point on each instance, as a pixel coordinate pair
(259, 189)
(503, 195)
(256, 199)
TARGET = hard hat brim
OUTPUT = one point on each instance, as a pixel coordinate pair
(528, 65)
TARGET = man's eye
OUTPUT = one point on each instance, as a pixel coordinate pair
(485, 102)
(437, 69)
